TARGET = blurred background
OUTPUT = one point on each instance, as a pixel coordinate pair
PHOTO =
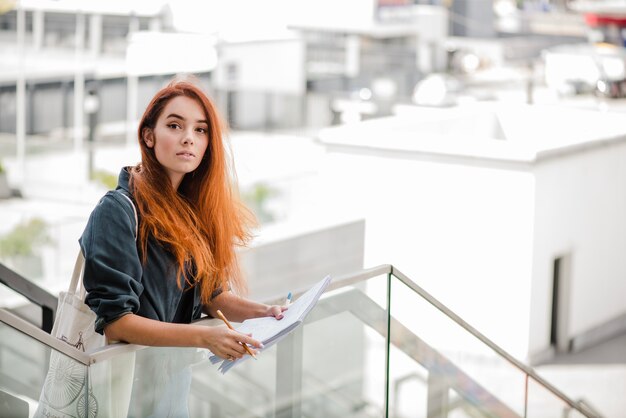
(476, 145)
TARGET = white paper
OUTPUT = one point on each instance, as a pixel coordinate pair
(268, 330)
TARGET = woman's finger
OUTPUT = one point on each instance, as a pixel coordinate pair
(277, 311)
(247, 339)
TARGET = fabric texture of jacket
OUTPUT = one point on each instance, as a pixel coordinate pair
(116, 280)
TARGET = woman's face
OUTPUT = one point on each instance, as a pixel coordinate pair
(180, 137)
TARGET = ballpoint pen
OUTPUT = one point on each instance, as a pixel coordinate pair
(223, 318)
(288, 300)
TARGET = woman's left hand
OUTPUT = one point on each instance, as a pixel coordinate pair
(276, 311)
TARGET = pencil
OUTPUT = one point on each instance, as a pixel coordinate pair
(223, 318)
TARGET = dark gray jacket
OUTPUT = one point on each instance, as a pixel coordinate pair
(116, 281)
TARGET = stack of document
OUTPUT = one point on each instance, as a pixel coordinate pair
(269, 330)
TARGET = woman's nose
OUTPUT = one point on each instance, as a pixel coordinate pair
(188, 138)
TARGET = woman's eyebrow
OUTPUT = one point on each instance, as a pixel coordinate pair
(176, 116)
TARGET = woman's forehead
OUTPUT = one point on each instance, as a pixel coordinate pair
(185, 107)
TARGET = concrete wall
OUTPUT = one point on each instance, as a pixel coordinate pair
(482, 235)
(290, 259)
(461, 231)
(581, 212)
(483, 240)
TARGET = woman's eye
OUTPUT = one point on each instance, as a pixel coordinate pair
(173, 126)
(201, 130)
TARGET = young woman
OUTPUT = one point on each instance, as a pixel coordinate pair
(147, 282)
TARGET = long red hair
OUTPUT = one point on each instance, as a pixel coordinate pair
(203, 221)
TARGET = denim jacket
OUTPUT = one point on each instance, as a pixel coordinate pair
(116, 280)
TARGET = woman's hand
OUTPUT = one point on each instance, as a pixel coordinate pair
(226, 343)
(239, 309)
(276, 311)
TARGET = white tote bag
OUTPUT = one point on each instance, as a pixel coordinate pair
(109, 383)
(64, 388)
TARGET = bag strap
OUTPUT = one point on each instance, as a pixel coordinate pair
(77, 274)
(134, 213)
(76, 284)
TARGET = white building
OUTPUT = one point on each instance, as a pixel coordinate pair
(476, 203)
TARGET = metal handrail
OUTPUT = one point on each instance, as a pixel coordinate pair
(113, 350)
(585, 410)
(339, 282)
(43, 337)
(353, 278)
(436, 363)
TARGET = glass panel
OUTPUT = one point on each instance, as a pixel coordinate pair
(13, 301)
(110, 385)
(30, 371)
(24, 240)
(41, 251)
(18, 305)
(453, 372)
(331, 366)
(543, 403)
(577, 414)
(408, 388)
(343, 367)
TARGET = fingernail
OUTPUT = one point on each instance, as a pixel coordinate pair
(261, 345)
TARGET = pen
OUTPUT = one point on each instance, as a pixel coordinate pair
(223, 318)
(288, 300)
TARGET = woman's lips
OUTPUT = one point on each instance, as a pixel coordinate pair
(185, 155)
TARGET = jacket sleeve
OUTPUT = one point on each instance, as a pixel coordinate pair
(113, 270)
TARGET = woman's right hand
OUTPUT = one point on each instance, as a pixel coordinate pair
(220, 340)
(226, 343)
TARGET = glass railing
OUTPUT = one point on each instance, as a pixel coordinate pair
(374, 345)
(332, 366)
(27, 354)
(456, 370)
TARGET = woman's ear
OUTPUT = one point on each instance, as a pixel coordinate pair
(148, 137)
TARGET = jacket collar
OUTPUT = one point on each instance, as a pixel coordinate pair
(123, 179)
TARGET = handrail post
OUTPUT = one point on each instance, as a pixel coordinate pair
(47, 319)
(526, 395)
(289, 376)
(387, 345)
(438, 399)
